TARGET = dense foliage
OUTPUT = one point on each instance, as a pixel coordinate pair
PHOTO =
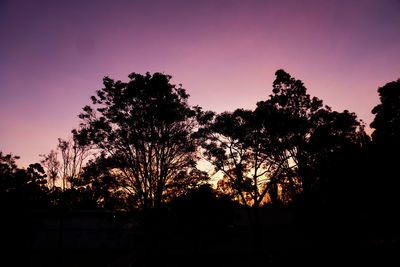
(140, 142)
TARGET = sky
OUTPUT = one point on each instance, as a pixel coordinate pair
(54, 54)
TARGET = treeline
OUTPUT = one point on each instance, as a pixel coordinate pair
(140, 145)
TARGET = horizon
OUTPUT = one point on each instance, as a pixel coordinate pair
(224, 54)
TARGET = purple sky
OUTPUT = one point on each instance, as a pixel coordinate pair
(54, 54)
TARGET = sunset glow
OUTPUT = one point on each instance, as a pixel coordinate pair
(199, 132)
(53, 56)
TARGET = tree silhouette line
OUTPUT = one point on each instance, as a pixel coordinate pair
(139, 145)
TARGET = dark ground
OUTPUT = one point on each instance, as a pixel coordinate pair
(108, 239)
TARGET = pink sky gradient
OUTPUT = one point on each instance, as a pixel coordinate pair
(54, 54)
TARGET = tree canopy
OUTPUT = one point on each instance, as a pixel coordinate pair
(21, 188)
(387, 115)
(139, 143)
(276, 150)
(145, 127)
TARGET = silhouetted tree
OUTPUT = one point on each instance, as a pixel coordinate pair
(260, 149)
(246, 151)
(247, 147)
(144, 126)
(21, 188)
(284, 148)
(21, 192)
(326, 147)
(383, 158)
(100, 187)
(8, 170)
(52, 166)
(184, 182)
(73, 156)
(387, 116)
(310, 130)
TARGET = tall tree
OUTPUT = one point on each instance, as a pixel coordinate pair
(252, 150)
(73, 156)
(281, 148)
(52, 166)
(247, 151)
(387, 115)
(326, 147)
(145, 126)
(259, 150)
(21, 188)
(311, 131)
(384, 178)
